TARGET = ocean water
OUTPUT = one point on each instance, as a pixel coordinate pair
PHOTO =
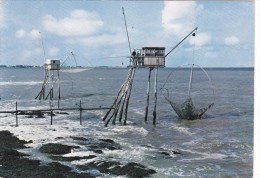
(219, 145)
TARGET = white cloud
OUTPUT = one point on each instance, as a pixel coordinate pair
(20, 33)
(232, 40)
(211, 54)
(35, 34)
(27, 54)
(200, 39)
(178, 17)
(79, 23)
(2, 15)
(105, 39)
(54, 51)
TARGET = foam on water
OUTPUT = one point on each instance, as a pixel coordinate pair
(74, 70)
(183, 130)
(12, 83)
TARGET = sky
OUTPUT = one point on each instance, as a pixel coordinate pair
(95, 31)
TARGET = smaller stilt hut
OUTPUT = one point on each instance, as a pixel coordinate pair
(51, 77)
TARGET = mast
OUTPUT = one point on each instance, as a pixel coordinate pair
(191, 78)
(127, 32)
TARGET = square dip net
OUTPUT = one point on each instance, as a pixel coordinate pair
(189, 91)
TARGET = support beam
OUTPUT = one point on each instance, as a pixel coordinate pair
(155, 97)
(147, 94)
(16, 113)
(129, 93)
(80, 112)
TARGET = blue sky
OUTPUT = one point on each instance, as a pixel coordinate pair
(95, 31)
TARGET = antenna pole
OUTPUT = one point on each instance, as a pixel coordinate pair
(127, 31)
(43, 48)
(181, 42)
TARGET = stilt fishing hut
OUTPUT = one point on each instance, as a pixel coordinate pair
(51, 77)
(146, 57)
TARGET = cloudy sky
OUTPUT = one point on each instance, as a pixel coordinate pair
(95, 31)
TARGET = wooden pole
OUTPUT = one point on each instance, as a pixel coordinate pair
(16, 113)
(147, 94)
(59, 88)
(51, 115)
(122, 108)
(129, 94)
(118, 94)
(80, 113)
(155, 96)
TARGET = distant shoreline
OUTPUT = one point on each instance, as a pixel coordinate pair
(119, 67)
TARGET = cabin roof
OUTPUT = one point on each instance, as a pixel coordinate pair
(159, 48)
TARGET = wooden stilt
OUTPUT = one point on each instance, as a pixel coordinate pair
(118, 102)
(155, 96)
(51, 115)
(59, 88)
(118, 94)
(129, 94)
(80, 113)
(122, 109)
(147, 93)
(16, 113)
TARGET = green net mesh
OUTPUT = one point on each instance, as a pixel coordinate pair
(189, 91)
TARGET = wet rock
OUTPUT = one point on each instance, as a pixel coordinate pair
(103, 144)
(56, 148)
(8, 141)
(14, 165)
(176, 152)
(73, 158)
(97, 151)
(61, 112)
(32, 114)
(165, 153)
(133, 170)
(97, 145)
(116, 168)
(79, 138)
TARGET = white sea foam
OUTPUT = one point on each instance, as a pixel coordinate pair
(74, 70)
(7, 83)
(183, 130)
(136, 130)
(139, 111)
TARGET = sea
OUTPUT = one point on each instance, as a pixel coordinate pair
(218, 145)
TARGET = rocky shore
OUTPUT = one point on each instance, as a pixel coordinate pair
(14, 164)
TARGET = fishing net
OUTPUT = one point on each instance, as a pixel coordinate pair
(189, 91)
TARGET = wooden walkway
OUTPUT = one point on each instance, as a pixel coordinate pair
(80, 109)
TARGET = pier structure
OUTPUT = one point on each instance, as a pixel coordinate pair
(146, 57)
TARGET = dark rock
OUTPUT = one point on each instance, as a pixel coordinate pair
(60, 112)
(8, 141)
(97, 145)
(79, 138)
(113, 167)
(176, 152)
(97, 151)
(165, 153)
(56, 148)
(104, 144)
(14, 165)
(135, 170)
(74, 158)
(107, 140)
